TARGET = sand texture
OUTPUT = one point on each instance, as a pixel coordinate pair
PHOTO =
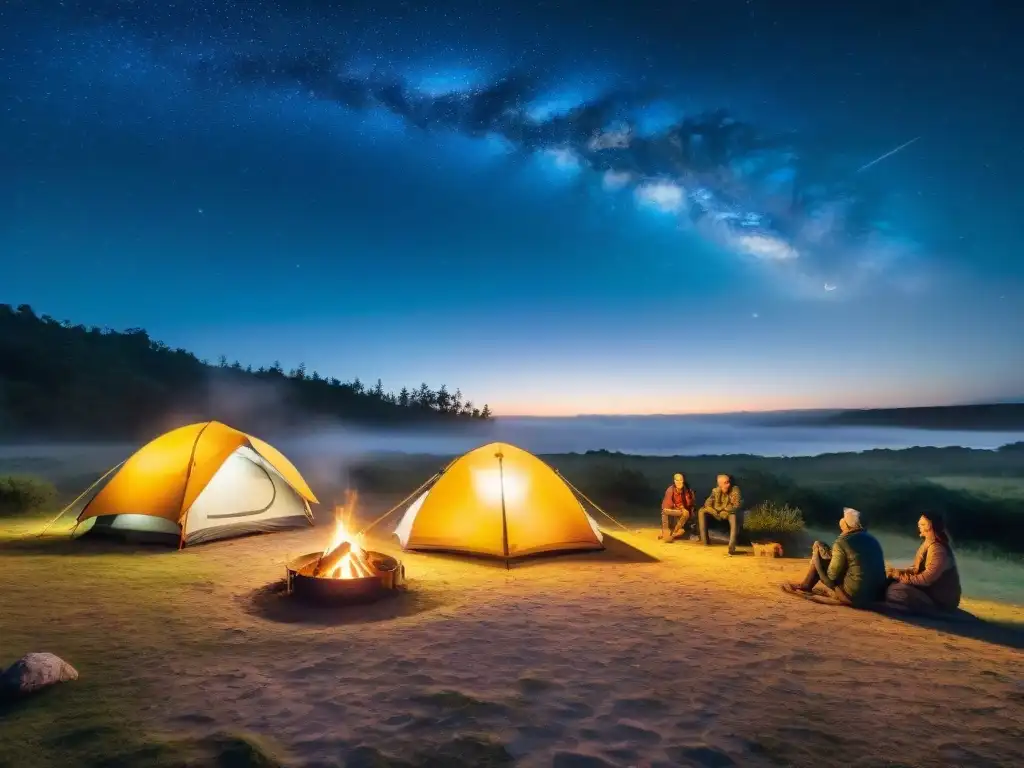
(646, 655)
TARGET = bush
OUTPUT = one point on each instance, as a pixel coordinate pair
(21, 494)
(769, 518)
(623, 485)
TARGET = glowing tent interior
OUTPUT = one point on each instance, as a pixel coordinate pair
(498, 500)
(199, 483)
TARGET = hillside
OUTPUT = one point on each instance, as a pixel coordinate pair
(994, 417)
(63, 381)
(997, 417)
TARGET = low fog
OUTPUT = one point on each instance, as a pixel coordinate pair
(324, 449)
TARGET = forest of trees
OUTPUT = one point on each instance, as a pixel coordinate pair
(59, 380)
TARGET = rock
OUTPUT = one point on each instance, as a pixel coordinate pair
(35, 671)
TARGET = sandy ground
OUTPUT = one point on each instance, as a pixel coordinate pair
(646, 655)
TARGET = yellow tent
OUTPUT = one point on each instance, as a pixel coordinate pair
(498, 500)
(199, 483)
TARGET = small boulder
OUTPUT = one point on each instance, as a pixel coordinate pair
(33, 672)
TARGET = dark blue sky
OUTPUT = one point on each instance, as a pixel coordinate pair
(559, 207)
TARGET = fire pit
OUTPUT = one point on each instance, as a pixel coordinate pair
(386, 574)
(344, 573)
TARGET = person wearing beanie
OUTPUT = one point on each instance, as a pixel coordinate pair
(852, 570)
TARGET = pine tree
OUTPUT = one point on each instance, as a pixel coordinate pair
(442, 399)
(486, 412)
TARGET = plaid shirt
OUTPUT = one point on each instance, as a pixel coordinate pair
(724, 503)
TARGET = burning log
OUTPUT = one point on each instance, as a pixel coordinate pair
(361, 565)
(330, 560)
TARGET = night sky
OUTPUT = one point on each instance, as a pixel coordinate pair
(562, 207)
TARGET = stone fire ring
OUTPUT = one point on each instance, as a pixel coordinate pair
(388, 579)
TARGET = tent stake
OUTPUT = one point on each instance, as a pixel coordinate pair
(79, 498)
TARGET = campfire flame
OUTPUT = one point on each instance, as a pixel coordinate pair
(344, 557)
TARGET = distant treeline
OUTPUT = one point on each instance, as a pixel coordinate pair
(998, 417)
(59, 380)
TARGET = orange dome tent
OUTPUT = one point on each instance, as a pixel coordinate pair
(498, 500)
(200, 483)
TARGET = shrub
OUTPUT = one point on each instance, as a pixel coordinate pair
(623, 485)
(769, 518)
(21, 494)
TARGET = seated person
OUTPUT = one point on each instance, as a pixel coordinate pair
(679, 502)
(723, 504)
(852, 569)
(932, 583)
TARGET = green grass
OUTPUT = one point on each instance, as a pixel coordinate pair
(1008, 488)
(91, 721)
(78, 604)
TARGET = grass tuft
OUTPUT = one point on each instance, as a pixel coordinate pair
(24, 494)
(769, 518)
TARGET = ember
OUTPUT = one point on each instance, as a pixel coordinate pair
(344, 572)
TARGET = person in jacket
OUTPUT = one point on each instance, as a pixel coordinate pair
(852, 569)
(932, 583)
(723, 504)
(678, 502)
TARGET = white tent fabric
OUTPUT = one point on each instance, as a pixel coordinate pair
(404, 529)
(246, 491)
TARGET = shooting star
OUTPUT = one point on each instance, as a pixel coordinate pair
(890, 153)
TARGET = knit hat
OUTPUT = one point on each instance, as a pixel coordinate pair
(851, 517)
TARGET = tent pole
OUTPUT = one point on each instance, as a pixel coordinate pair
(79, 498)
(590, 502)
(504, 518)
(403, 501)
(182, 513)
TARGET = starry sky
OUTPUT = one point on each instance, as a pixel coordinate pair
(582, 206)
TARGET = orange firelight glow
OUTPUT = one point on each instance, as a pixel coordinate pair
(350, 566)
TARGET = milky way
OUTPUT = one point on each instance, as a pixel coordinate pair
(742, 188)
(755, 193)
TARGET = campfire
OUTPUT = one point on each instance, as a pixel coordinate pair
(344, 572)
(344, 557)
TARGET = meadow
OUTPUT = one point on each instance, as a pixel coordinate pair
(646, 654)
